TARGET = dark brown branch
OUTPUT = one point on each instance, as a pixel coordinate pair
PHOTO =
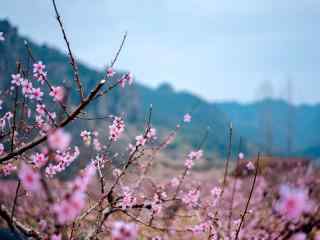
(305, 228)
(73, 62)
(65, 122)
(15, 199)
(15, 224)
(249, 198)
(14, 112)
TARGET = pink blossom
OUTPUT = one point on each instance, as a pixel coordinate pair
(38, 67)
(128, 199)
(97, 145)
(131, 148)
(1, 102)
(174, 182)
(16, 79)
(2, 38)
(163, 195)
(116, 172)
(293, 202)
(124, 231)
(195, 155)
(110, 72)
(86, 137)
(29, 112)
(68, 209)
(140, 140)
(156, 238)
(127, 78)
(63, 159)
(2, 123)
(215, 194)
(116, 129)
(30, 178)
(41, 109)
(191, 198)
(37, 94)
(38, 72)
(188, 163)
(299, 236)
(58, 139)
(1, 149)
(241, 155)
(52, 115)
(156, 204)
(8, 168)
(43, 224)
(82, 181)
(200, 228)
(39, 159)
(56, 237)
(57, 93)
(42, 125)
(152, 134)
(8, 116)
(187, 118)
(250, 166)
(26, 88)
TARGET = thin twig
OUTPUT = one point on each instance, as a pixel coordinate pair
(15, 199)
(234, 186)
(73, 62)
(228, 157)
(15, 112)
(250, 196)
(119, 50)
(186, 170)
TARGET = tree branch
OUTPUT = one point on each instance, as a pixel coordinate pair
(73, 62)
(64, 122)
(15, 224)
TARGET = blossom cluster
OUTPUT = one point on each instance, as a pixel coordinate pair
(125, 200)
(192, 156)
(116, 129)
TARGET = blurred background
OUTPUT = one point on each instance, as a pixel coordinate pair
(252, 63)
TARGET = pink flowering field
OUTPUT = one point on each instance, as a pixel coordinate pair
(127, 194)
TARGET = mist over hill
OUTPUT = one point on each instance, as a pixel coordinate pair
(272, 123)
(262, 125)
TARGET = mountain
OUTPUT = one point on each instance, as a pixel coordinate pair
(273, 122)
(168, 106)
(263, 125)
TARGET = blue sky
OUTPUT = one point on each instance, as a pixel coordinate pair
(220, 50)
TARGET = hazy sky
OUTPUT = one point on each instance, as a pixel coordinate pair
(220, 50)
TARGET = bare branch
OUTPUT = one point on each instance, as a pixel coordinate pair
(119, 50)
(15, 224)
(228, 157)
(249, 198)
(73, 62)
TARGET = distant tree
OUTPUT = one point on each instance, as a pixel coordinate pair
(290, 117)
(265, 92)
